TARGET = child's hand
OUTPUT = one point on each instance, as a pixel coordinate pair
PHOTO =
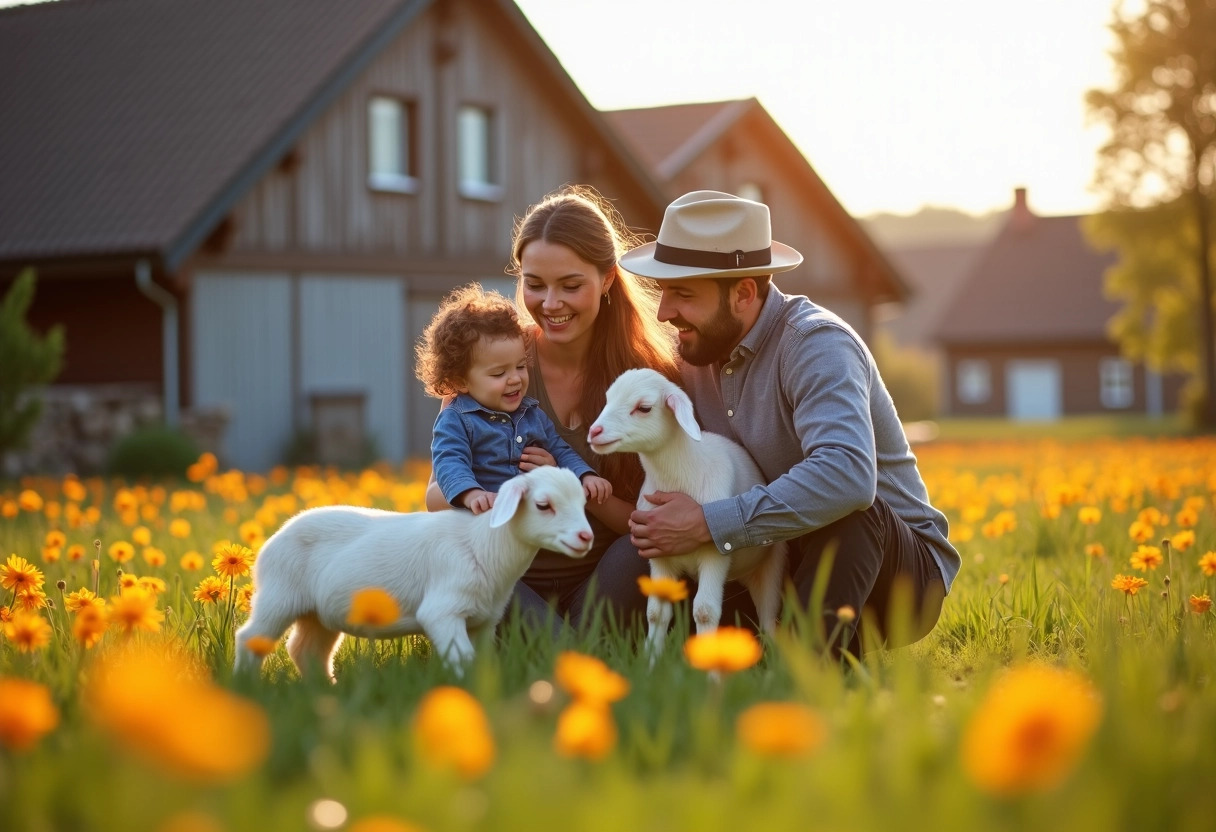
(477, 501)
(534, 457)
(597, 488)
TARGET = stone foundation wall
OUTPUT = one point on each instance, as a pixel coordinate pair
(79, 425)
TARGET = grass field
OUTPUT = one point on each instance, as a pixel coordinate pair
(1068, 684)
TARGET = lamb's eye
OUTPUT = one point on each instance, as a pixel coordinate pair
(642, 408)
(544, 507)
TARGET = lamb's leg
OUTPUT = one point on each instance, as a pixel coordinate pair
(711, 582)
(449, 636)
(268, 619)
(764, 585)
(312, 645)
(658, 614)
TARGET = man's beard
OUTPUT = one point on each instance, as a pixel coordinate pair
(714, 340)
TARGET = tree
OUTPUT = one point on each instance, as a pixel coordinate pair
(28, 360)
(1158, 171)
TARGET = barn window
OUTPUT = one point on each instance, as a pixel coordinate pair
(1115, 375)
(974, 381)
(392, 157)
(477, 153)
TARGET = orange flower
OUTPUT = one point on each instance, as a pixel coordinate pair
(153, 556)
(1183, 540)
(75, 552)
(1128, 584)
(29, 500)
(1146, 558)
(372, 607)
(81, 598)
(55, 538)
(260, 646)
(26, 713)
(1208, 563)
(28, 631)
(121, 551)
(142, 535)
(19, 574)
(585, 729)
(1140, 531)
(665, 589)
(179, 527)
(211, 590)
(588, 679)
(1095, 550)
(233, 561)
(451, 732)
(780, 729)
(1030, 730)
(192, 561)
(1200, 603)
(89, 625)
(135, 609)
(726, 649)
(1089, 515)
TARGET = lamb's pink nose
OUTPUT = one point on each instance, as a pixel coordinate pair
(586, 537)
(596, 430)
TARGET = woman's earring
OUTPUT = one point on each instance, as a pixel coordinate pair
(608, 298)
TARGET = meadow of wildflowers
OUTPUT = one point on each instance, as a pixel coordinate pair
(1068, 684)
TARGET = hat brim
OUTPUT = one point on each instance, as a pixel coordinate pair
(640, 261)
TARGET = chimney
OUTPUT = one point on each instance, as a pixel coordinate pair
(1021, 217)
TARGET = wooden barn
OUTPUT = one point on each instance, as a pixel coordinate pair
(737, 147)
(1025, 336)
(257, 205)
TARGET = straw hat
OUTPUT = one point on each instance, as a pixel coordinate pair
(712, 234)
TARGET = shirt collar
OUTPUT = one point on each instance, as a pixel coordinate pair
(464, 403)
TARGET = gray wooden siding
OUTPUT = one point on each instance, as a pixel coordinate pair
(240, 331)
(352, 339)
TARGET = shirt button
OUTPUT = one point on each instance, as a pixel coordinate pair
(729, 370)
(519, 439)
(730, 413)
(726, 546)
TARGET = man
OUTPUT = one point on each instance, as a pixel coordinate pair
(796, 386)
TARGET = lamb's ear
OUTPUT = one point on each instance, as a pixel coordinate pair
(681, 406)
(507, 501)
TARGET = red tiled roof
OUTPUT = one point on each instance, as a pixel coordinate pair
(661, 136)
(934, 274)
(1038, 281)
(124, 119)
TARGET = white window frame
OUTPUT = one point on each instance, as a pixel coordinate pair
(392, 175)
(1117, 382)
(477, 153)
(973, 380)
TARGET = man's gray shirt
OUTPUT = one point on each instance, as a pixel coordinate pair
(802, 393)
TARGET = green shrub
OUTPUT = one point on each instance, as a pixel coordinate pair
(28, 359)
(912, 378)
(152, 452)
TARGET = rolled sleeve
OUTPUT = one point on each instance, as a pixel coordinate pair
(451, 456)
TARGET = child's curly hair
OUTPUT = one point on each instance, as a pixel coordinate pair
(465, 316)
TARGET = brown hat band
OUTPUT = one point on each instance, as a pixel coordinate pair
(696, 258)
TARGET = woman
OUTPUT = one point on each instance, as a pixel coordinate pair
(592, 322)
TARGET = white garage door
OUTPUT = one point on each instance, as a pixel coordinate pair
(1032, 390)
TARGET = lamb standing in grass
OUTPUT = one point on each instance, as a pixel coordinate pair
(450, 572)
(647, 414)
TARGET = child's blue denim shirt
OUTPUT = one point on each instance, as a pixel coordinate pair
(475, 447)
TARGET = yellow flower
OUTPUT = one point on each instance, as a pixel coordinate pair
(55, 538)
(152, 584)
(29, 500)
(1146, 558)
(75, 552)
(1089, 515)
(26, 713)
(81, 598)
(1140, 531)
(372, 607)
(135, 609)
(1183, 540)
(192, 561)
(251, 532)
(451, 732)
(780, 729)
(195, 729)
(89, 625)
(50, 554)
(1151, 516)
(244, 598)
(31, 599)
(9, 509)
(154, 556)
(260, 645)
(121, 551)
(1030, 730)
(585, 729)
(726, 649)
(142, 535)
(1200, 603)
(1095, 550)
(128, 580)
(1208, 563)
(28, 631)
(665, 589)
(211, 590)
(588, 679)
(179, 527)
(1187, 517)
(1128, 584)
(19, 574)
(233, 561)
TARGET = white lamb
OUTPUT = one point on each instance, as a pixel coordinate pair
(647, 414)
(450, 572)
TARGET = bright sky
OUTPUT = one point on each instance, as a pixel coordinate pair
(895, 103)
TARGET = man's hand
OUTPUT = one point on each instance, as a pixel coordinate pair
(596, 488)
(675, 526)
(477, 501)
